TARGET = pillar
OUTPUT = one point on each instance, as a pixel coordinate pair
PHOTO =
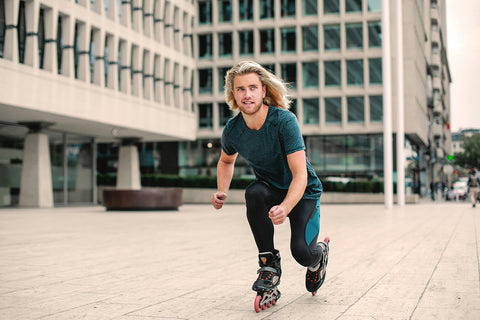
(36, 183)
(128, 172)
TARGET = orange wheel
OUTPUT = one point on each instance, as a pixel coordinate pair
(256, 304)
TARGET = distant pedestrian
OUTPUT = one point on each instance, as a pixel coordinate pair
(473, 185)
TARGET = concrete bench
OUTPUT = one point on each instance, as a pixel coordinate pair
(143, 199)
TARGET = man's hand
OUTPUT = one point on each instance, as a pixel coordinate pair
(277, 214)
(218, 199)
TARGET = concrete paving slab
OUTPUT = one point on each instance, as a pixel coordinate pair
(416, 262)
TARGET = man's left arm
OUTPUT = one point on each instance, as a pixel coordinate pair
(297, 163)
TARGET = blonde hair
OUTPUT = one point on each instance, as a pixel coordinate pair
(276, 89)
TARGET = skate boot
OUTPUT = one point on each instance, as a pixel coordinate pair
(316, 275)
(267, 281)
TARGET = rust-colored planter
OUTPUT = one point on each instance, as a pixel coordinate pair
(143, 199)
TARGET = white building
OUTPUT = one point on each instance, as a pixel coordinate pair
(331, 53)
(74, 73)
(89, 73)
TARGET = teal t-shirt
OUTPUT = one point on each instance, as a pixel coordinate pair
(266, 149)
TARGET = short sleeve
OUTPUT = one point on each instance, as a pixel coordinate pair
(227, 145)
(291, 136)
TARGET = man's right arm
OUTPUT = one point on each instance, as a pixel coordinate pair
(225, 169)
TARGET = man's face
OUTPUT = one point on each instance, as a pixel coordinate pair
(248, 93)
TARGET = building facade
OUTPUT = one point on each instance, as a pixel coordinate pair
(78, 73)
(330, 53)
(95, 76)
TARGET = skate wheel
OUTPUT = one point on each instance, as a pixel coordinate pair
(314, 293)
(327, 240)
(256, 304)
(268, 305)
(264, 306)
(274, 302)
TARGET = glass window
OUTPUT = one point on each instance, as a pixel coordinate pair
(311, 111)
(287, 8)
(374, 34)
(333, 110)
(225, 44)
(225, 10)
(205, 80)
(354, 36)
(293, 107)
(376, 108)
(375, 70)
(267, 9)
(205, 115)
(333, 73)
(353, 5)
(222, 71)
(310, 38)
(269, 67)
(331, 34)
(288, 39)
(204, 45)
(310, 74)
(267, 41)
(245, 42)
(355, 72)
(374, 5)
(355, 109)
(204, 12)
(289, 74)
(245, 10)
(309, 7)
(224, 113)
(331, 7)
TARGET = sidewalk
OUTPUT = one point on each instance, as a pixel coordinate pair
(416, 262)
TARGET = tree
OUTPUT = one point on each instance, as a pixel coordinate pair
(470, 158)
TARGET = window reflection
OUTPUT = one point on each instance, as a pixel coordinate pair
(311, 111)
(355, 109)
(376, 108)
(331, 34)
(332, 73)
(355, 72)
(331, 7)
(333, 110)
(354, 36)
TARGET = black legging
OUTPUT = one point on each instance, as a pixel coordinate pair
(304, 222)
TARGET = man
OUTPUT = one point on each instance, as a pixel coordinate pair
(267, 135)
(473, 185)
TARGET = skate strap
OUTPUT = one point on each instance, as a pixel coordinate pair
(269, 269)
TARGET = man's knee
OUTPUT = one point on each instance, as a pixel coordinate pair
(303, 256)
(257, 191)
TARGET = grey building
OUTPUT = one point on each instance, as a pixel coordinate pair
(330, 52)
(84, 81)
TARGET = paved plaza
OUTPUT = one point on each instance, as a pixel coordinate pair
(416, 262)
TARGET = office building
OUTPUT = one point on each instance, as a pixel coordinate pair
(330, 52)
(94, 74)
(78, 73)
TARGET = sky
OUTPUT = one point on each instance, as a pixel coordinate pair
(463, 50)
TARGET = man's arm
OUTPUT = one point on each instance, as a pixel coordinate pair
(225, 167)
(297, 163)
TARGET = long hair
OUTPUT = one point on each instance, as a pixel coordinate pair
(276, 93)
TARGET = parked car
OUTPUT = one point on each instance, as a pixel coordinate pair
(458, 191)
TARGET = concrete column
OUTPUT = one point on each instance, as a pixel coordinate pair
(128, 173)
(36, 183)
